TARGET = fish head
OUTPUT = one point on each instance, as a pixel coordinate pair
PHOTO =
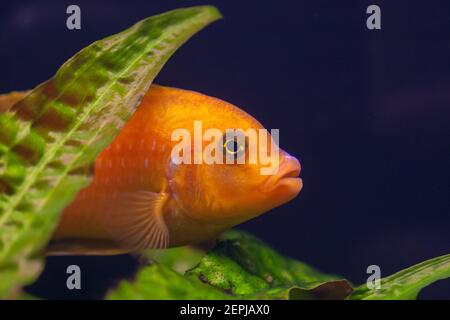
(231, 193)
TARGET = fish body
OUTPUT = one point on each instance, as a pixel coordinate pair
(139, 198)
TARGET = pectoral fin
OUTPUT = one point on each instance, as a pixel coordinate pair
(138, 223)
(134, 221)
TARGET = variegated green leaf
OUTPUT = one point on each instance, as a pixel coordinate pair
(406, 284)
(239, 267)
(50, 139)
(243, 267)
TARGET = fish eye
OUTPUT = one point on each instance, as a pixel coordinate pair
(233, 146)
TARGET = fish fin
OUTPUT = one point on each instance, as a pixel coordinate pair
(84, 247)
(138, 222)
(9, 99)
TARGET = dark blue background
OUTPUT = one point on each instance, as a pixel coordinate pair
(366, 112)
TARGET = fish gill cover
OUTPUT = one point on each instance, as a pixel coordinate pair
(50, 138)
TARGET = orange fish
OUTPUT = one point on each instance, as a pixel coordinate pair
(140, 199)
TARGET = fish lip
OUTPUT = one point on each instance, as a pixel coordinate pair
(289, 171)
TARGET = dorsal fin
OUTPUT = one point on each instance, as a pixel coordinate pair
(7, 100)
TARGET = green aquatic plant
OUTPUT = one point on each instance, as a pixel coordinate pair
(241, 266)
(50, 139)
(406, 284)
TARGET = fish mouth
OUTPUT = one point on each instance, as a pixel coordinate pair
(287, 177)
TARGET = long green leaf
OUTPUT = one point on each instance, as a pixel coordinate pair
(158, 282)
(244, 266)
(406, 284)
(50, 139)
(239, 267)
